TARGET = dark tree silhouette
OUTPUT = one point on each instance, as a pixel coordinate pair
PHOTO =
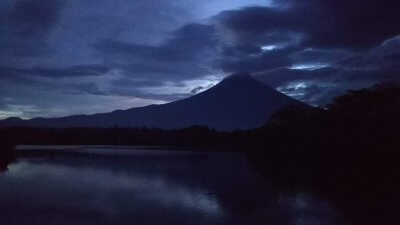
(348, 151)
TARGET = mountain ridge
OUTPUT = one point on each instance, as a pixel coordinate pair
(238, 102)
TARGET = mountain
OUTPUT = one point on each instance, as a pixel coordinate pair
(237, 102)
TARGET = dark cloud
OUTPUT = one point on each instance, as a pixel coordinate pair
(321, 23)
(187, 43)
(314, 49)
(183, 56)
(75, 71)
(252, 22)
(322, 56)
(343, 71)
(283, 76)
(384, 56)
(124, 82)
(139, 93)
(256, 62)
(25, 26)
(196, 90)
(31, 18)
(241, 50)
(306, 85)
(352, 23)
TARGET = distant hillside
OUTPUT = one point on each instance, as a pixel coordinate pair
(237, 102)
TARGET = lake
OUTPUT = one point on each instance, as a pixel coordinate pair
(85, 185)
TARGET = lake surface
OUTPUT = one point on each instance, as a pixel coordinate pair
(108, 185)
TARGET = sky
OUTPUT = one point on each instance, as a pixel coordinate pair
(63, 57)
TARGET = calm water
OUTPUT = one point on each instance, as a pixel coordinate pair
(149, 187)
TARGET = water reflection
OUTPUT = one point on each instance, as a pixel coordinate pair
(139, 189)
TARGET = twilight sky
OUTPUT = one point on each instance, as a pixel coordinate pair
(62, 57)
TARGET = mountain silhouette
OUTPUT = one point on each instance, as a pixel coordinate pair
(237, 102)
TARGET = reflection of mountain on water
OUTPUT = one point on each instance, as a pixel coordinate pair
(153, 188)
(185, 189)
